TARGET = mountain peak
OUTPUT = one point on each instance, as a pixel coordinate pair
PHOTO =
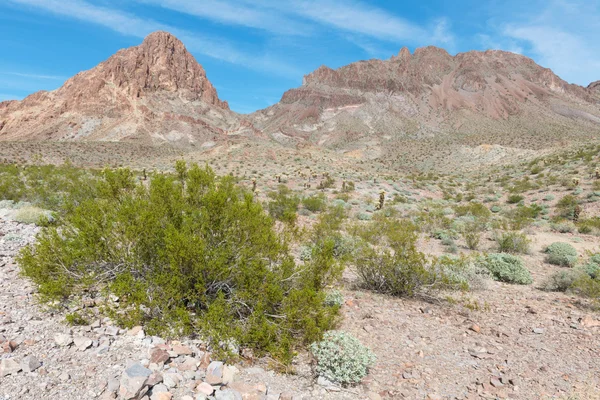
(161, 63)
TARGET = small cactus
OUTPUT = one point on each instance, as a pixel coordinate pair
(381, 199)
(254, 184)
(575, 181)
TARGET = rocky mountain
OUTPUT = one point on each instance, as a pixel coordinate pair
(152, 93)
(428, 109)
(426, 106)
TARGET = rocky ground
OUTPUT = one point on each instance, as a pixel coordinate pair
(506, 341)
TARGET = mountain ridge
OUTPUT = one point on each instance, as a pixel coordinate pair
(423, 102)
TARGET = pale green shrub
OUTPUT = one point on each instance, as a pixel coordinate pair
(334, 298)
(341, 358)
(506, 268)
(562, 254)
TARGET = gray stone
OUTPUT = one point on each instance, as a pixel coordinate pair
(63, 339)
(214, 373)
(9, 366)
(82, 343)
(171, 379)
(538, 331)
(160, 388)
(30, 364)
(228, 394)
(133, 381)
(113, 385)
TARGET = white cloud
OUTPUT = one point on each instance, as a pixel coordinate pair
(563, 37)
(235, 13)
(131, 25)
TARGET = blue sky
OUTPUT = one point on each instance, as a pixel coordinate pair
(254, 50)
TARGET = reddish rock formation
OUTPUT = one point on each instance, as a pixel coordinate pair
(494, 97)
(153, 92)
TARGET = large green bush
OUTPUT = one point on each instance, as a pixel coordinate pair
(562, 254)
(341, 358)
(387, 261)
(189, 254)
(506, 268)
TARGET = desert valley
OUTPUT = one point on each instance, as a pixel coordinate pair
(421, 227)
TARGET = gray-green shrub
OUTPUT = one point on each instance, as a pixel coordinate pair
(562, 254)
(341, 358)
(506, 268)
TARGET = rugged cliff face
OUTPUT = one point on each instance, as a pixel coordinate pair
(154, 92)
(430, 105)
(419, 108)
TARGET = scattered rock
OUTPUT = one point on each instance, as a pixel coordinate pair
(63, 339)
(8, 366)
(82, 343)
(205, 388)
(227, 394)
(133, 381)
(30, 364)
(538, 331)
(475, 328)
(214, 373)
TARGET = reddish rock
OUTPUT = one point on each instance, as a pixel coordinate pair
(159, 356)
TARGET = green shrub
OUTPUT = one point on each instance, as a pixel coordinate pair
(496, 209)
(592, 267)
(186, 256)
(398, 269)
(472, 238)
(566, 206)
(315, 203)
(562, 254)
(283, 205)
(475, 209)
(561, 281)
(514, 199)
(506, 268)
(564, 227)
(513, 242)
(341, 358)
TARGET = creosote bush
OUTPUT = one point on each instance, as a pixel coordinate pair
(513, 242)
(506, 268)
(341, 358)
(187, 254)
(387, 261)
(562, 254)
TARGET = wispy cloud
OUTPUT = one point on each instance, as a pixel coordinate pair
(236, 13)
(132, 25)
(362, 18)
(564, 37)
(305, 17)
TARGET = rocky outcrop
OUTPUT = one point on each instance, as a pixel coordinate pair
(152, 93)
(493, 97)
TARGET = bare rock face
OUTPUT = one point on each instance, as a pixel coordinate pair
(373, 108)
(152, 93)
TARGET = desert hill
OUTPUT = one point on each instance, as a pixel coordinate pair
(152, 93)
